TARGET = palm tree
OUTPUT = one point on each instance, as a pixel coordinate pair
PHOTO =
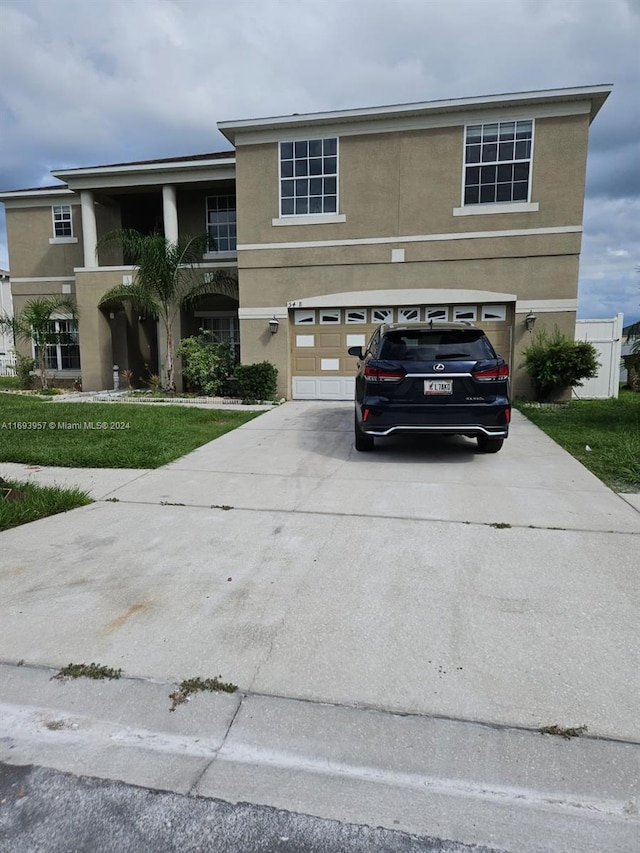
(36, 323)
(167, 279)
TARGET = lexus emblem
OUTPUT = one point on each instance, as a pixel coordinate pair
(438, 366)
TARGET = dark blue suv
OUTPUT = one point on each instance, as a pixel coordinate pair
(438, 378)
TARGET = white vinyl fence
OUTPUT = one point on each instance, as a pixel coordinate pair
(606, 336)
(7, 365)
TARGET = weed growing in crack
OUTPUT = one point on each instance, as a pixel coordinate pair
(566, 733)
(190, 686)
(87, 670)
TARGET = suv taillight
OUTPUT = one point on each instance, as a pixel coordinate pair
(491, 374)
(382, 374)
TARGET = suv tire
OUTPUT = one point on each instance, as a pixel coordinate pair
(363, 442)
(489, 445)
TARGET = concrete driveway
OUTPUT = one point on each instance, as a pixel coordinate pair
(423, 578)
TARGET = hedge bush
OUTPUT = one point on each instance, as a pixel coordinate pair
(257, 381)
(205, 364)
(555, 363)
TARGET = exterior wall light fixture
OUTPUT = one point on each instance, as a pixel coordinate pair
(274, 325)
(530, 321)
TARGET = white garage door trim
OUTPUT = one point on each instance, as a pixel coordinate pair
(323, 387)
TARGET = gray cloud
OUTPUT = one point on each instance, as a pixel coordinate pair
(112, 80)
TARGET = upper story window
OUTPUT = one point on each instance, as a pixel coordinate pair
(309, 177)
(62, 222)
(498, 162)
(221, 223)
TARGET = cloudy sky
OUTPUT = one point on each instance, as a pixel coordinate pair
(85, 82)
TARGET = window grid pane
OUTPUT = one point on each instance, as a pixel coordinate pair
(504, 150)
(63, 353)
(62, 220)
(308, 177)
(221, 223)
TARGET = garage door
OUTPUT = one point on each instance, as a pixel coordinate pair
(321, 367)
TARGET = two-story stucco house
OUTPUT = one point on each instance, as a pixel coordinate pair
(467, 209)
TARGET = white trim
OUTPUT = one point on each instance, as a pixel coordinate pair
(418, 238)
(279, 312)
(142, 167)
(500, 207)
(36, 279)
(585, 99)
(105, 269)
(54, 241)
(220, 264)
(37, 198)
(311, 219)
(212, 256)
(401, 125)
(399, 298)
(140, 177)
(546, 306)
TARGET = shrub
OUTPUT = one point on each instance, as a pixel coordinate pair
(555, 363)
(205, 364)
(257, 381)
(24, 368)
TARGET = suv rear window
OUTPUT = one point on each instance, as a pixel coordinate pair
(432, 345)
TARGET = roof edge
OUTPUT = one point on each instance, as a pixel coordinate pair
(597, 94)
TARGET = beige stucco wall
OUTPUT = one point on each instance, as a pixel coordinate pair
(95, 331)
(526, 277)
(258, 344)
(401, 184)
(29, 230)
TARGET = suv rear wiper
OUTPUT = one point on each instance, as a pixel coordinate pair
(442, 356)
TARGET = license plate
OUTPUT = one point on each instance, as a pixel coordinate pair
(438, 386)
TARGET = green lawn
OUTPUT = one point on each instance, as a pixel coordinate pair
(24, 502)
(611, 428)
(105, 435)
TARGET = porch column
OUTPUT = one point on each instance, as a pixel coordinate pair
(170, 212)
(89, 229)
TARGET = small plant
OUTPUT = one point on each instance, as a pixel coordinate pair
(153, 381)
(257, 381)
(24, 371)
(77, 383)
(566, 733)
(555, 363)
(190, 686)
(87, 670)
(127, 375)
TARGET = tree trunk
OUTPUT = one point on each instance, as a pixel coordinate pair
(171, 385)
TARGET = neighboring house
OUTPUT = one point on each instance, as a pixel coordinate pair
(630, 336)
(467, 209)
(6, 309)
